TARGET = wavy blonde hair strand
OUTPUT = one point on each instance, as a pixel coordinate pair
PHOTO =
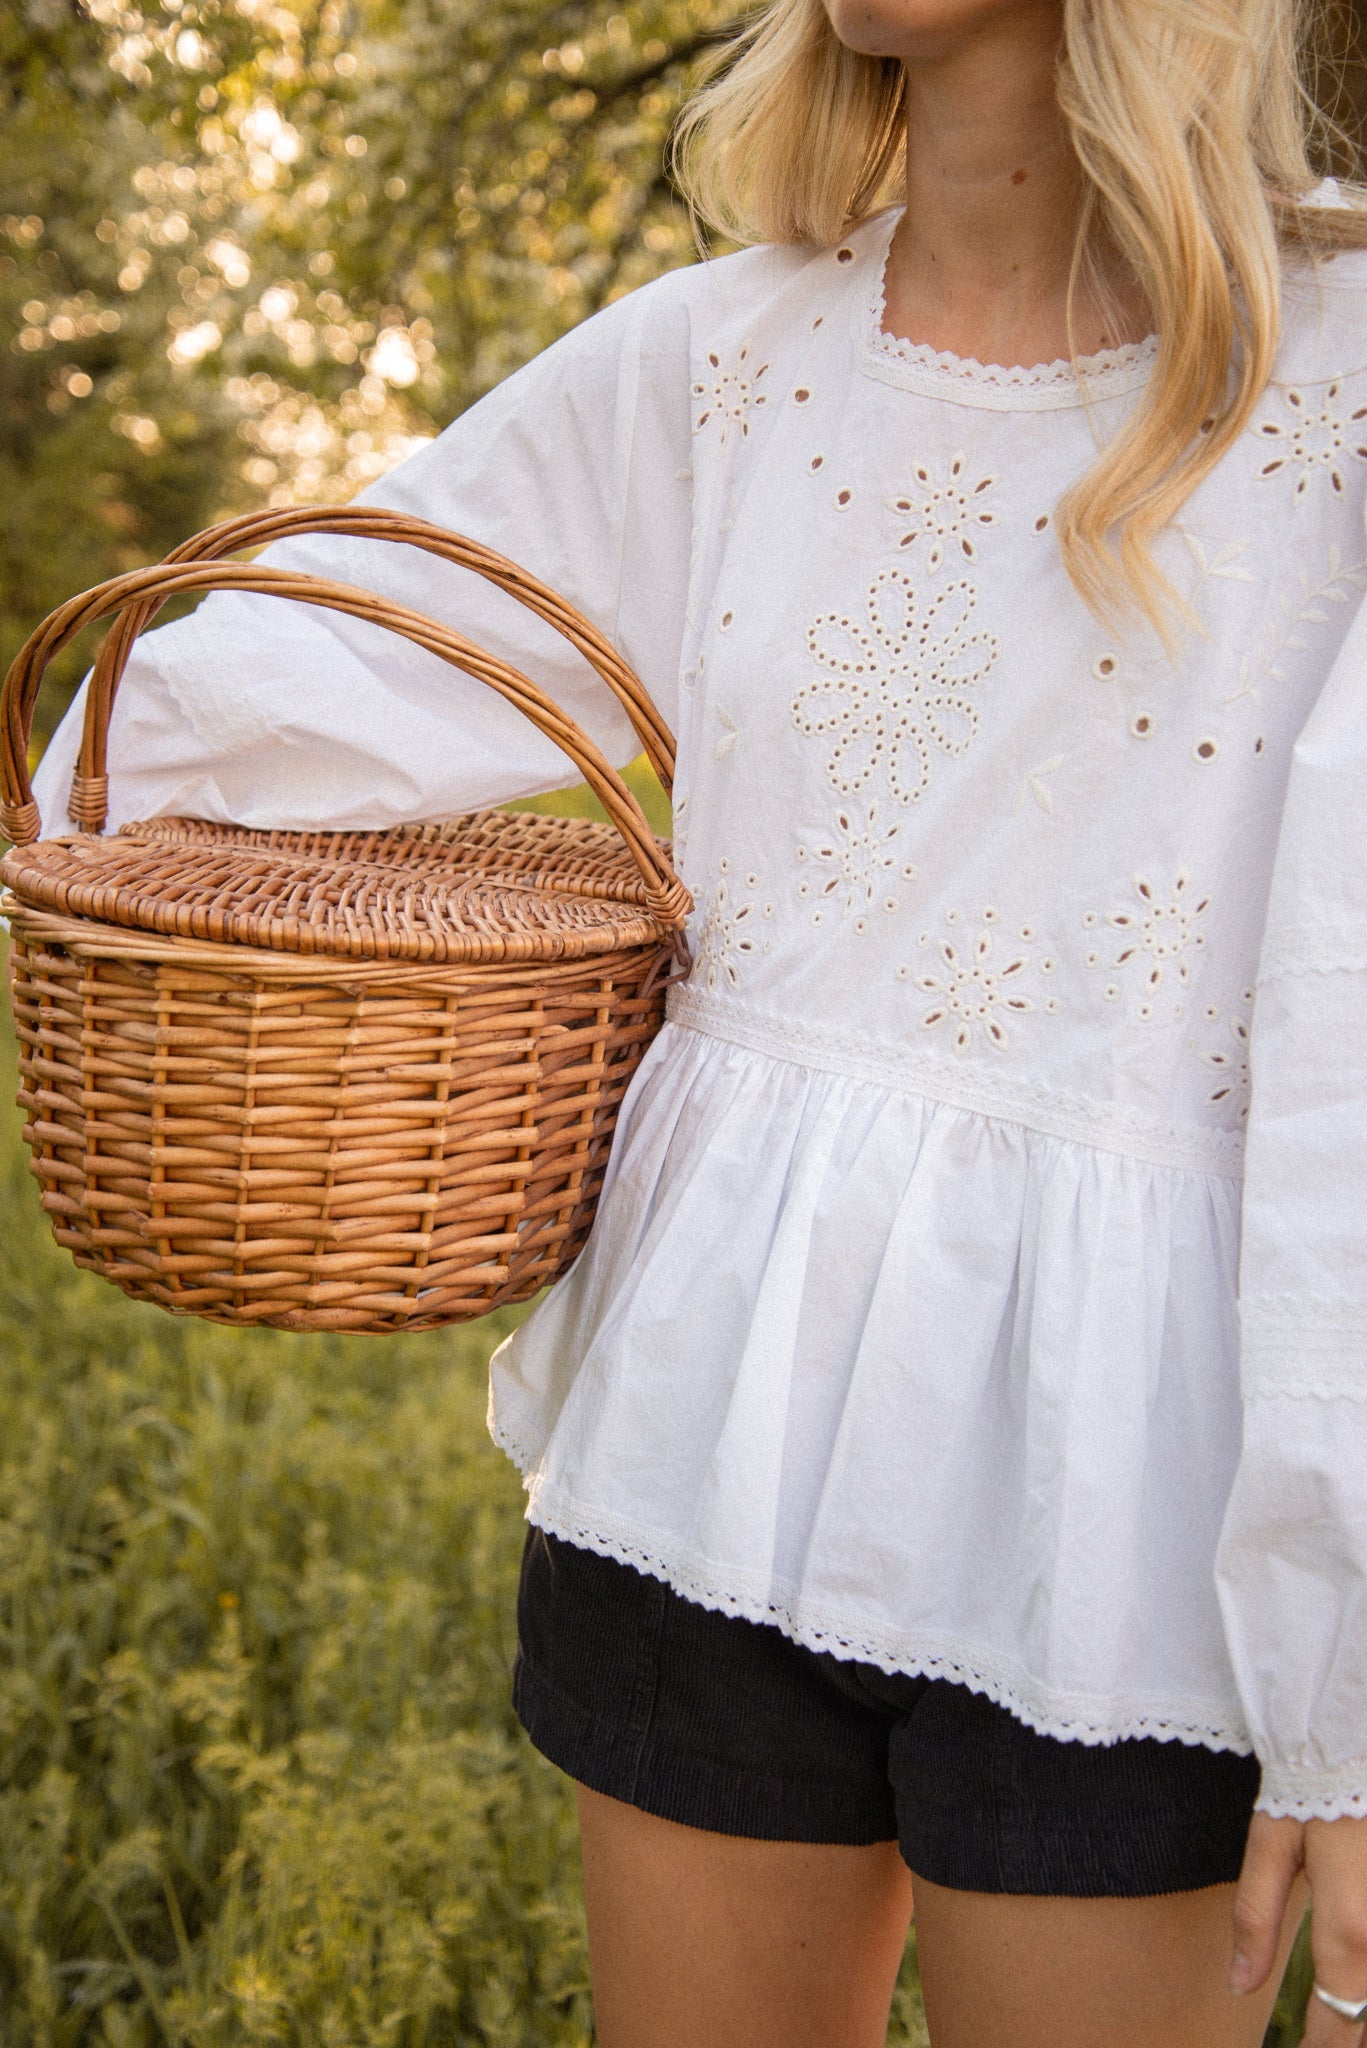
(1193, 124)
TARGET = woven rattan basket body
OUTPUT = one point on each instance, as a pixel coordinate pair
(349, 1081)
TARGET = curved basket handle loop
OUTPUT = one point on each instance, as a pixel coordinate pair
(142, 592)
(88, 804)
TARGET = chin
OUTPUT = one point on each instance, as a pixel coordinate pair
(914, 29)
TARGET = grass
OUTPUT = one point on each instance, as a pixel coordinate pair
(259, 1777)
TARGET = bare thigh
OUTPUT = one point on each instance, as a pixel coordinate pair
(1088, 1973)
(699, 1940)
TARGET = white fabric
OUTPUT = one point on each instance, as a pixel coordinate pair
(911, 1321)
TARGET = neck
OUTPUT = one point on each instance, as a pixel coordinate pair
(981, 259)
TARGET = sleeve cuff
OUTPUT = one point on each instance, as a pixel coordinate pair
(1290, 1792)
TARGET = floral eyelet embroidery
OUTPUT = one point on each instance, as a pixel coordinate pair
(896, 685)
(856, 866)
(974, 993)
(730, 394)
(1229, 1062)
(1159, 934)
(1319, 437)
(731, 934)
(947, 514)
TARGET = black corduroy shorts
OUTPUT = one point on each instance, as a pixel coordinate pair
(727, 1725)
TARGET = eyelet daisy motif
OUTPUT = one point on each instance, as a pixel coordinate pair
(1160, 933)
(895, 684)
(731, 934)
(854, 867)
(1229, 1062)
(975, 992)
(946, 515)
(729, 394)
(1319, 437)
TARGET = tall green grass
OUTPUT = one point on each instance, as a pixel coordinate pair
(259, 1777)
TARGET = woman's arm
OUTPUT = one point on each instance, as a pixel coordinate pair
(1292, 1567)
(273, 713)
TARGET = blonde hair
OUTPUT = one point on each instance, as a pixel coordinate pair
(1193, 122)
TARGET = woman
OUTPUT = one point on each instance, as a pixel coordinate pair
(880, 1445)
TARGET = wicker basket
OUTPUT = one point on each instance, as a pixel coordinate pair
(330, 1080)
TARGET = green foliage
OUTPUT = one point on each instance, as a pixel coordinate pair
(258, 249)
(1288, 2018)
(580, 802)
(261, 1779)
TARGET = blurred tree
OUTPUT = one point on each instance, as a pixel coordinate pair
(256, 249)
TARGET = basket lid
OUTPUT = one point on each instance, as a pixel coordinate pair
(492, 885)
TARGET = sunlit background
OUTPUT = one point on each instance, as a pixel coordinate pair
(253, 253)
(259, 1778)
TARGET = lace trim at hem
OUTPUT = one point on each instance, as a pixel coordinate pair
(1066, 1720)
(1032, 387)
(505, 1440)
(1099, 1125)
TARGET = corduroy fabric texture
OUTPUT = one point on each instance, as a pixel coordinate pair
(725, 1724)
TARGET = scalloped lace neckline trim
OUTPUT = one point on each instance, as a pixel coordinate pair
(1028, 387)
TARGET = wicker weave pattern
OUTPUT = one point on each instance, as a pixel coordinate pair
(369, 901)
(383, 1152)
(330, 1080)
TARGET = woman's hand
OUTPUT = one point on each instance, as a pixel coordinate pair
(1332, 1854)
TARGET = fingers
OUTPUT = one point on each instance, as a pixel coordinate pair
(1336, 1864)
(1324, 2029)
(1272, 1861)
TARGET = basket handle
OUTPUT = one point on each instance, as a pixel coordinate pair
(141, 593)
(89, 792)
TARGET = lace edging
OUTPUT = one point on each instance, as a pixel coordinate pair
(815, 1632)
(1314, 1797)
(1314, 1350)
(1295, 1313)
(511, 1445)
(1337, 949)
(1343, 1806)
(849, 1647)
(1014, 386)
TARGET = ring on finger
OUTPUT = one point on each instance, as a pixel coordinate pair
(1346, 2008)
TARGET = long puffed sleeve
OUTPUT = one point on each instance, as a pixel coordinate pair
(268, 712)
(1292, 1567)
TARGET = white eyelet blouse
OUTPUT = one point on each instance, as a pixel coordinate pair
(980, 1286)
